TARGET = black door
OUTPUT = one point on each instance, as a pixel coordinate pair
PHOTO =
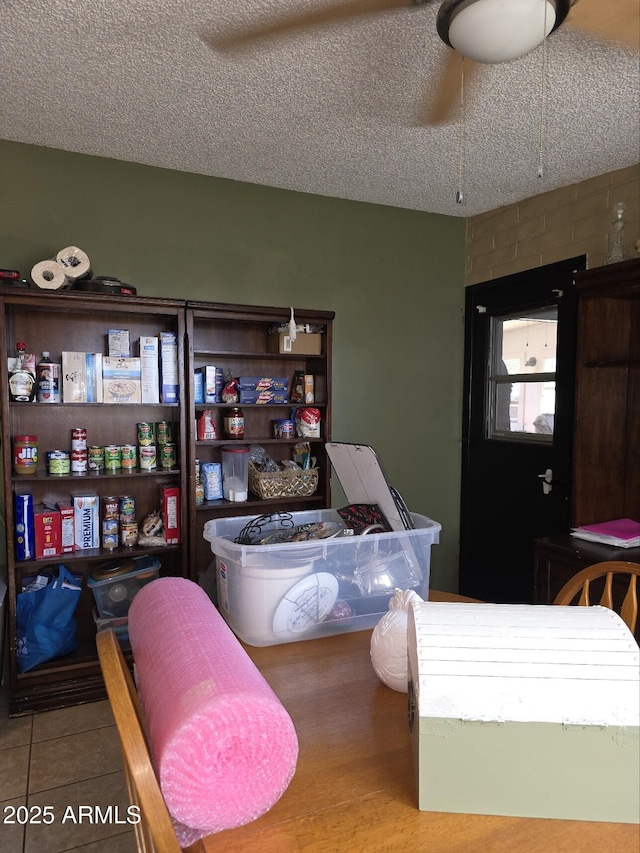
(517, 427)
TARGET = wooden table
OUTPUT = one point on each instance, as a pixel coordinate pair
(354, 787)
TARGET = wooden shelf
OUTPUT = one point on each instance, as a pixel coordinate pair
(238, 335)
(612, 363)
(606, 473)
(60, 322)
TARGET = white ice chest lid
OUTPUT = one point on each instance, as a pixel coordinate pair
(523, 663)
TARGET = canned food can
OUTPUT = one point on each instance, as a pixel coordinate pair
(164, 432)
(145, 434)
(168, 455)
(127, 508)
(112, 459)
(110, 533)
(96, 458)
(110, 507)
(58, 462)
(283, 428)
(148, 457)
(129, 533)
(128, 456)
(79, 438)
(79, 461)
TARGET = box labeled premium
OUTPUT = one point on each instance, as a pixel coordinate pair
(149, 369)
(86, 520)
(121, 380)
(170, 384)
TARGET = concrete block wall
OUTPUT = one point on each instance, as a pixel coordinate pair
(550, 227)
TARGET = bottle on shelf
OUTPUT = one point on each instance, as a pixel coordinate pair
(47, 380)
(22, 375)
(199, 486)
(234, 423)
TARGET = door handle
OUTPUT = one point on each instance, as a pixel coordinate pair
(547, 479)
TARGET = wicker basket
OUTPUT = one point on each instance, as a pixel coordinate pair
(289, 483)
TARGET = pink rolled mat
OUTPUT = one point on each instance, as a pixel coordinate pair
(224, 746)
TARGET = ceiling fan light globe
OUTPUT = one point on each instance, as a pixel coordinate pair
(494, 31)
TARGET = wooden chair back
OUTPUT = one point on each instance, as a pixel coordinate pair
(580, 583)
(154, 832)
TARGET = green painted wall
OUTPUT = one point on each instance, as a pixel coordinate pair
(394, 277)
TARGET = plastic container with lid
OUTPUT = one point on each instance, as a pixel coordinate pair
(235, 473)
(282, 588)
(115, 584)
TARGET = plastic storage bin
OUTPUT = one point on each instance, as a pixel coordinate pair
(280, 593)
(119, 625)
(115, 584)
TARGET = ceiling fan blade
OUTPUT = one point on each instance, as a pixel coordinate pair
(446, 106)
(303, 20)
(619, 20)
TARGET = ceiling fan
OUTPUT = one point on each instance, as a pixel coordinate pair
(481, 31)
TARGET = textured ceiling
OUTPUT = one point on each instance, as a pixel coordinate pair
(329, 111)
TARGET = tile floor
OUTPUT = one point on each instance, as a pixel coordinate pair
(61, 760)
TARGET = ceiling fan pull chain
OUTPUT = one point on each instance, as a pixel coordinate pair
(543, 99)
(460, 194)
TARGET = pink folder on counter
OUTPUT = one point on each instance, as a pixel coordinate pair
(621, 532)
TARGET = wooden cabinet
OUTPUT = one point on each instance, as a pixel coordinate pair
(606, 462)
(235, 338)
(606, 447)
(559, 558)
(57, 322)
(239, 340)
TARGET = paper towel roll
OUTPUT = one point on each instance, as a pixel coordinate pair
(75, 261)
(225, 748)
(49, 275)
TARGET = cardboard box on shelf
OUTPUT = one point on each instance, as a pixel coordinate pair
(149, 369)
(46, 523)
(171, 514)
(264, 383)
(86, 519)
(74, 377)
(118, 343)
(305, 343)
(309, 384)
(67, 530)
(170, 387)
(278, 398)
(121, 380)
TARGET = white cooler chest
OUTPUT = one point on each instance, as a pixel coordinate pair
(525, 710)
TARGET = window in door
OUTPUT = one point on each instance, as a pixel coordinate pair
(521, 392)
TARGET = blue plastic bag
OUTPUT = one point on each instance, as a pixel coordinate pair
(46, 626)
